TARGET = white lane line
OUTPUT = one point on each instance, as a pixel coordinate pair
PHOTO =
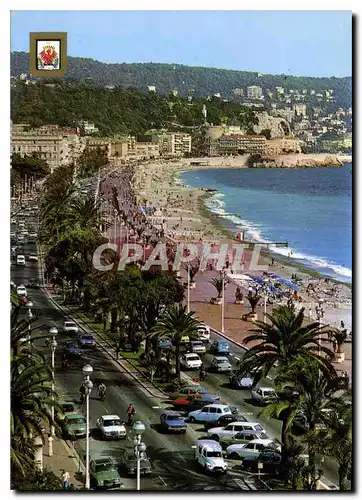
(182, 458)
(155, 407)
(163, 481)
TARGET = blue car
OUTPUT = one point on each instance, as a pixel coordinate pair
(172, 421)
(220, 347)
(164, 343)
(71, 349)
(85, 340)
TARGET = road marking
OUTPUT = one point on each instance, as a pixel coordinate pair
(182, 458)
(163, 481)
(155, 407)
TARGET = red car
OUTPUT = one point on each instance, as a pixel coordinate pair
(23, 300)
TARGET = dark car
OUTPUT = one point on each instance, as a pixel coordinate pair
(33, 284)
(71, 349)
(129, 462)
(224, 420)
(271, 461)
(173, 422)
(192, 404)
(85, 340)
(164, 343)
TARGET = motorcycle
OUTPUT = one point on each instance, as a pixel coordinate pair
(202, 375)
(102, 395)
(130, 419)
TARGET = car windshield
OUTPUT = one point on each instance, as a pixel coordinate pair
(221, 361)
(69, 323)
(109, 423)
(76, 420)
(214, 454)
(103, 467)
(192, 358)
(258, 427)
(272, 446)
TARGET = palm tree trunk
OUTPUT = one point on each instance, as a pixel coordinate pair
(177, 355)
(285, 450)
(114, 314)
(312, 460)
(342, 476)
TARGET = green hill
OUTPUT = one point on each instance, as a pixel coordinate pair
(188, 80)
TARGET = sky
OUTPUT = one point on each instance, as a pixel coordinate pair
(308, 43)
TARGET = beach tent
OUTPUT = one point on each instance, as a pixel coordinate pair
(147, 209)
(289, 283)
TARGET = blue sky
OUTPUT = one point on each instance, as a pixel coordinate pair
(309, 43)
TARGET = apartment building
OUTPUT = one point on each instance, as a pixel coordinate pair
(174, 144)
(241, 144)
(300, 109)
(281, 146)
(254, 92)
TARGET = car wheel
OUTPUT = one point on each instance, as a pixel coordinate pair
(234, 456)
(192, 420)
(183, 432)
(215, 437)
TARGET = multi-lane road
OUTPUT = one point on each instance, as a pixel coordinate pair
(172, 456)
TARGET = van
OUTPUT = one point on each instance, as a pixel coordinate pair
(20, 260)
(210, 457)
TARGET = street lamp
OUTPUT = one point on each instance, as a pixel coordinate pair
(223, 302)
(139, 448)
(53, 345)
(188, 288)
(87, 372)
(320, 313)
(265, 287)
(29, 305)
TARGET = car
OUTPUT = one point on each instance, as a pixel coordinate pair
(70, 327)
(63, 408)
(33, 284)
(220, 347)
(195, 403)
(196, 346)
(71, 349)
(242, 437)
(21, 291)
(190, 361)
(20, 260)
(185, 339)
(33, 236)
(164, 343)
(224, 420)
(129, 462)
(74, 426)
(251, 449)
(203, 332)
(85, 340)
(191, 391)
(104, 474)
(217, 433)
(241, 381)
(33, 257)
(271, 461)
(264, 395)
(12, 221)
(173, 421)
(209, 456)
(220, 364)
(111, 427)
(209, 413)
(12, 236)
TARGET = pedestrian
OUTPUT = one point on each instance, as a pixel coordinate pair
(65, 479)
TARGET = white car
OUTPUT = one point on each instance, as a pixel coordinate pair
(252, 449)
(33, 257)
(70, 327)
(196, 346)
(263, 395)
(204, 333)
(190, 361)
(209, 456)
(21, 291)
(111, 427)
(230, 430)
(209, 413)
(221, 364)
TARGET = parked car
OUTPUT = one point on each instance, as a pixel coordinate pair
(209, 456)
(21, 291)
(191, 391)
(173, 421)
(64, 408)
(104, 474)
(242, 437)
(164, 343)
(33, 257)
(85, 340)
(220, 364)
(190, 361)
(196, 346)
(241, 382)
(195, 403)
(70, 327)
(263, 395)
(217, 433)
(71, 349)
(20, 260)
(223, 420)
(271, 461)
(111, 427)
(129, 462)
(209, 413)
(185, 339)
(204, 333)
(74, 426)
(251, 449)
(220, 347)
(33, 283)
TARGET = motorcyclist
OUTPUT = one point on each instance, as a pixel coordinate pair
(101, 390)
(130, 413)
(82, 393)
(202, 374)
(65, 362)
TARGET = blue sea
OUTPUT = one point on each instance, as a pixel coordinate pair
(310, 208)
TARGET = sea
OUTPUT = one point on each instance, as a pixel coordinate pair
(310, 208)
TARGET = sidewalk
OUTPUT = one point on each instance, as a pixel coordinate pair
(65, 458)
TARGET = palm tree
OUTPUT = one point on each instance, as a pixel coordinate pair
(253, 299)
(218, 284)
(175, 324)
(282, 340)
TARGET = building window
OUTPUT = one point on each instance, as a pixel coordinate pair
(19, 148)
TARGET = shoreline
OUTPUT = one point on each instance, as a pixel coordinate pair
(186, 217)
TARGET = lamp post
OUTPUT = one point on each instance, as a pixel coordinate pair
(87, 372)
(188, 288)
(29, 305)
(223, 302)
(139, 448)
(265, 287)
(320, 313)
(53, 345)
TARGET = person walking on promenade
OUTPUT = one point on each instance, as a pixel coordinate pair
(65, 479)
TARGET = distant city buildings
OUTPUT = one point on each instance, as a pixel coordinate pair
(174, 144)
(241, 144)
(254, 92)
